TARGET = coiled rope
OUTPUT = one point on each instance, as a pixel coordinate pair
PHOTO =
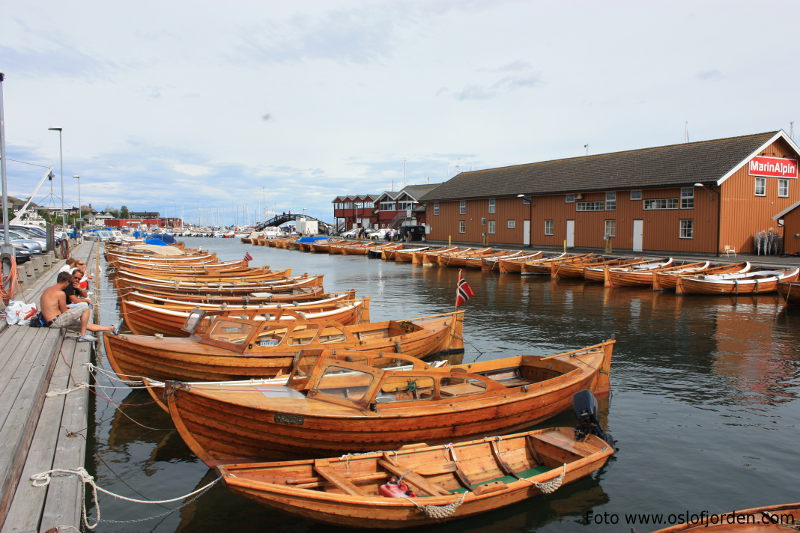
(439, 512)
(42, 479)
(549, 487)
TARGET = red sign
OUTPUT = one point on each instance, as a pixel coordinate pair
(773, 167)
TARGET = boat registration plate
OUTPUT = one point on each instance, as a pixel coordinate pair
(295, 420)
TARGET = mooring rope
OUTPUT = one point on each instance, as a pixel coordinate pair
(43, 479)
(439, 512)
(549, 487)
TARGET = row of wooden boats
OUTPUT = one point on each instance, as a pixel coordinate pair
(252, 375)
(687, 277)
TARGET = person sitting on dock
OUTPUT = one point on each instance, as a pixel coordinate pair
(56, 314)
(75, 294)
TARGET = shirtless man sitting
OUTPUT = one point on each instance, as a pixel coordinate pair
(55, 311)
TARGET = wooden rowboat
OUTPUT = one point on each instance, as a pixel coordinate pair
(224, 266)
(789, 291)
(514, 265)
(235, 348)
(458, 259)
(665, 280)
(493, 263)
(754, 282)
(431, 257)
(297, 295)
(405, 255)
(381, 409)
(771, 519)
(598, 272)
(251, 274)
(576, 268)
(168, 320)
(124, 282)
(448, 482)
(542, 267)
(642, 274)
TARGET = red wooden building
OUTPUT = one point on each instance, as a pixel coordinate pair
(696, 197)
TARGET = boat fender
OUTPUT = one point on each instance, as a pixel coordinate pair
(395, 489)
(585, 405)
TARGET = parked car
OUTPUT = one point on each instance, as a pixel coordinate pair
(350, 234)
(32, 246)
(378, 234)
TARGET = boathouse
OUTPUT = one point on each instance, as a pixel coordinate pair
(403, 207)
(354, 211)
(700, 197)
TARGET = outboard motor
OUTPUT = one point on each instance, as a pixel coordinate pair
(585, 405)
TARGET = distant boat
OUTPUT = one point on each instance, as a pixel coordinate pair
(758, 282)
(769, 519)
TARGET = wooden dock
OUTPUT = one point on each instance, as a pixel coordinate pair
(38, 432)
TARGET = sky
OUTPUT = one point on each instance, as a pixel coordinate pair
(225, 112)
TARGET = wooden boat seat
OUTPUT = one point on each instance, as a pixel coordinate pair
(460, 390)
(327, 473)
(530, 472)
(565, 443)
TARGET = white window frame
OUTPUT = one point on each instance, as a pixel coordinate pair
(388, 206)
(669, 203)
(760, 183)
(636, 195)
(686, 228)
(687, 197)
(511, 223)
(462, 207)
(462, 226)
(610, 227)
(611, 201)
(490, 229)
(783, 188)
(549, 226)
(590, 206)
(436, 209)
(492, 205)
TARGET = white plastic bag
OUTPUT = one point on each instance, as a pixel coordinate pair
(19, 313)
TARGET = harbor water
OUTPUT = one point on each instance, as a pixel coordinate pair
(704, 405)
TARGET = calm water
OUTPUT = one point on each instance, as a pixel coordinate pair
(704, 403)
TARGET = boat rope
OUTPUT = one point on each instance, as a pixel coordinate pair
(43, 479)
(115, 377)
(549, 487)
(346, 457)
(440, 512)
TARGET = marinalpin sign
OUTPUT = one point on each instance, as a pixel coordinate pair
(773, 167)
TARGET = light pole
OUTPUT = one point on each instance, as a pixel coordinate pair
(61, 170)
(79, 221)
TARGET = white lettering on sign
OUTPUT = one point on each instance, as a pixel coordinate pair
(774, 167)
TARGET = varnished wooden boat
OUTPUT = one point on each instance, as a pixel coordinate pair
(224, 266)
(387, 254)
(297, 295)
(363, 248)
(493, 263)
(598, 272)
(124, 283)
(753, 282)
(185, 259)
(576, 268)
(448, 482)
(484, 261)
(431, 257)
(168, 319)
(542, 266)
(234, 348)
(381, 409)
(665, 280)
(510, 266)
(789, 291)
(642, 274)
(770, 519)
(251, 274)
(457, 259)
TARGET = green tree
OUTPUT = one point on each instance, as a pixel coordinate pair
(123, 212)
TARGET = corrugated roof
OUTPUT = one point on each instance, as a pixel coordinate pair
(672, 165)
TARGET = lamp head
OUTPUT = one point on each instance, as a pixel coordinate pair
(520, 196)
(698, 184)
(76, 177)
(54, 129)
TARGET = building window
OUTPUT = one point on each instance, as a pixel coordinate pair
(491, 228)
(687, 197)
(636, 195)
(462, 226)
(569, 199)
(611, 228)
(611, 201)
(436, 208)
(526, 200)
(462, 207)
(405, 206)
(661, 203)
(387, 206)
(491, 205)
(548, 227)
(511, 224)
(761, 186)
(687, 229)
(590, 206)
(783, 188)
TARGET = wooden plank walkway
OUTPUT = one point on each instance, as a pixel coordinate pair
(40, 433)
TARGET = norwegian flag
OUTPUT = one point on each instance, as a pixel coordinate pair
(463, 291)
(248, 257)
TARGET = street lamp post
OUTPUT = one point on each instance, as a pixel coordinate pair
(79, 221)
(61, 170)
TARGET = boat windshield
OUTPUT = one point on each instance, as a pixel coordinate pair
(233, 331)
(345, 383)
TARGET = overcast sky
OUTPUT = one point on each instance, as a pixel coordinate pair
(210, 110)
